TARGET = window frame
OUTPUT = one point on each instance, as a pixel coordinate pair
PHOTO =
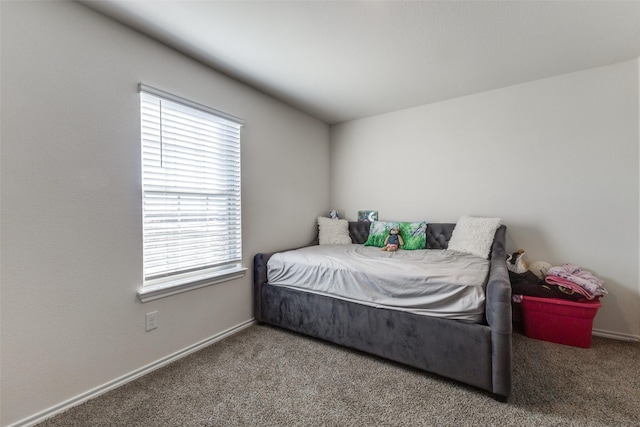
(171, 283)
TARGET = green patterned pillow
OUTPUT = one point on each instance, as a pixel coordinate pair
(378, 232)
(414, 235)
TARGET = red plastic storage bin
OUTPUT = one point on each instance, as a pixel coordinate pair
(558, 320)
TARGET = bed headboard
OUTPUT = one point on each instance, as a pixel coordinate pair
(438, 234)
(359, 231)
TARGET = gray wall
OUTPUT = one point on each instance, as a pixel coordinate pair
(557, 159)
(71, 254)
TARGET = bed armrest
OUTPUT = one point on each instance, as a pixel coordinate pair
(498, 306)
(498, 313)
(259, 277)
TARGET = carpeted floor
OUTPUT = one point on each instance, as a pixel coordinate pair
(265, 376)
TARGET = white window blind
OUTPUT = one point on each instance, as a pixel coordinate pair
(191, 190)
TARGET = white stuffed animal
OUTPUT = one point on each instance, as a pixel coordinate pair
(515, 262)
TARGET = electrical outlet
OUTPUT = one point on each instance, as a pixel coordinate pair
(151, 321)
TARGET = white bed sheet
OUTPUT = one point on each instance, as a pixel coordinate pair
(431, 282)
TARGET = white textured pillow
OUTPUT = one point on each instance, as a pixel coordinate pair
(333, 231)
(474, 235)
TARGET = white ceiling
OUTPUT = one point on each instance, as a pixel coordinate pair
(341, 60)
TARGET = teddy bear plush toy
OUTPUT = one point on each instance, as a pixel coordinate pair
(393, 240)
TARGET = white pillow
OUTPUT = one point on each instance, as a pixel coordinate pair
(333, 231)
(474, 235)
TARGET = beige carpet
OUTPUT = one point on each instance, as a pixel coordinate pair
(265, 376)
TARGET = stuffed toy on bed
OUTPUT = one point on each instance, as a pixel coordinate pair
(393, 241)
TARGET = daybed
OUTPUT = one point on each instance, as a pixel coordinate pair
(478, 354)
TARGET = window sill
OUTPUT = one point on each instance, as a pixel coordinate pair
(150, 293)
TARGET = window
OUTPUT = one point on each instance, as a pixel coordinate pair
(192, 234)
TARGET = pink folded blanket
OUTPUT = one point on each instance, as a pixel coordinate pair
(573, 277)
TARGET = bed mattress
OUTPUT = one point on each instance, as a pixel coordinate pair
(432, 282)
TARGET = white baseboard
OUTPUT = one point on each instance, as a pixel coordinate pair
(615, 335)
(81, 398)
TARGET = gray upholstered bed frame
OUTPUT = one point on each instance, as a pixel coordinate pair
(475, 354)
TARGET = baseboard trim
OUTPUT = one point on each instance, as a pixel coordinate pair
(93, 393)
(615, 335)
